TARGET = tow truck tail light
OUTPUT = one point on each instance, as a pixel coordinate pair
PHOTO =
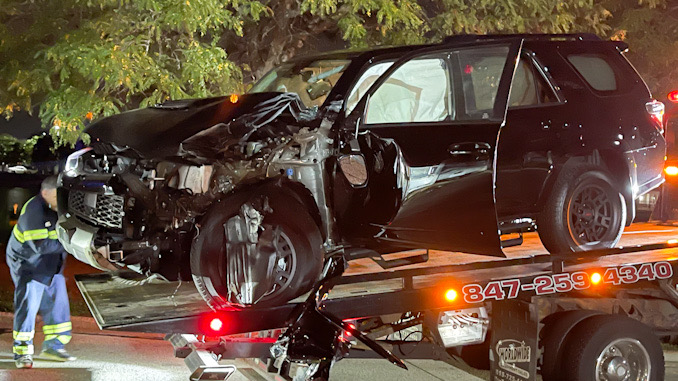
(673, 96)
(655, 109)
(212, 325)
(216, 324)
(451, 295)
(671, 170)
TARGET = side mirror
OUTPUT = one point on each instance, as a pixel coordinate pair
(354, 169)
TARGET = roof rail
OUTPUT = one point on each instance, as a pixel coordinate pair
(462, 38)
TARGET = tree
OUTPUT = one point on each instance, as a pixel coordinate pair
(11, 150)
(75, 60)
(651, 29)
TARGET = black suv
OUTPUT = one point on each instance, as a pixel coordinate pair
(446, 146)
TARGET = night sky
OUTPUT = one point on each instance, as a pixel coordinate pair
(22, 126)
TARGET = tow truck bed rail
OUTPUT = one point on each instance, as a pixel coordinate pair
(176, 307)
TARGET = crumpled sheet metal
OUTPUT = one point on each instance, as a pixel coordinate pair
(281, 116)
(250, 255)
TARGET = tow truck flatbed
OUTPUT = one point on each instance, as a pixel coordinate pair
(176, 307)
(530, 286)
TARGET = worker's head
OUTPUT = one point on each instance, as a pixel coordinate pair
(48, 191)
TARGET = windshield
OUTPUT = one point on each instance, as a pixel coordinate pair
(311, 81)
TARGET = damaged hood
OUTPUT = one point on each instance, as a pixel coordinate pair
(159, 131)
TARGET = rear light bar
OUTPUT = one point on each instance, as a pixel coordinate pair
(655, 109)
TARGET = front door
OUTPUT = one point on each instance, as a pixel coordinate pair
(428, 130)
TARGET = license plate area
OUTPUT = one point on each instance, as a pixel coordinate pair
(463, 327)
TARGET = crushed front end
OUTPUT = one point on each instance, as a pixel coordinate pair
(123, 206)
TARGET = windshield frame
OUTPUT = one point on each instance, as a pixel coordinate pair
(298, 65)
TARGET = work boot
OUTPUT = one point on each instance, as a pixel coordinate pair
(24, 361)
(56, 355)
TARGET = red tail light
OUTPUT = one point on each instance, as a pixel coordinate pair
(673, 96)
(216, 325)
(212, 325)
(656, 111)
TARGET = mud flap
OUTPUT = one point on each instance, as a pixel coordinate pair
(513, 349)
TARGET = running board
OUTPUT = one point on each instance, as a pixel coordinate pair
(405, 258)
(517, 241)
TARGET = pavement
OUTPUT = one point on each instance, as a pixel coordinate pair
(104, 356)
(108, 356)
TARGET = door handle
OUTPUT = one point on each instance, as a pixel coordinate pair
(477, 149)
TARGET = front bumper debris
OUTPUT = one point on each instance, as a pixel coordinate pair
(77, 239)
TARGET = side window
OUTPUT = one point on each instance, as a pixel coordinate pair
(529, 87)
(481, 70)
(363, 84)
(595, 70)
(418, 91)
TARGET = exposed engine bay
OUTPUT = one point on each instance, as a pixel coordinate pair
(124, 209)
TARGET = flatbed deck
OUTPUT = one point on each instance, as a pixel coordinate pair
(176, 307)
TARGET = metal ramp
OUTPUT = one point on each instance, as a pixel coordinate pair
(121, 302)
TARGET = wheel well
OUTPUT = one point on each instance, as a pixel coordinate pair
(304, 196)
(552, 336)
(618, 167)
(611, 161)
(282, 185)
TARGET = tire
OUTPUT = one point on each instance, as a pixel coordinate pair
(298, 244)
(477, 355)
(556, 328)
(597, 344)
(584, 211)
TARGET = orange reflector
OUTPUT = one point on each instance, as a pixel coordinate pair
(671, 170)
(673, 96)
(233, 98)
(216, 324)
(451, 295)
(596, 278)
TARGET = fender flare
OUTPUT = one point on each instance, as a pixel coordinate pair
(617, 162)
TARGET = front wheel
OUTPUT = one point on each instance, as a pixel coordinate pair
(262, 250)
(612, 348)
(585, 211)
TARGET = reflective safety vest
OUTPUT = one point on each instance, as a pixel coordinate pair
(33, 248)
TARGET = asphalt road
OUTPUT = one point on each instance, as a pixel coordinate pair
(118, 356)
(144, 357)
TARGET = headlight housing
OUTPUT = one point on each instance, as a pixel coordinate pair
(73, 162)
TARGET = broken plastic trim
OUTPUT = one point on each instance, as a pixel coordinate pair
(248, 276)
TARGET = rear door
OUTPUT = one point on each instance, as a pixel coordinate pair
(428, 129)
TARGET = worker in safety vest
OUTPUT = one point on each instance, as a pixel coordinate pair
(36, 260)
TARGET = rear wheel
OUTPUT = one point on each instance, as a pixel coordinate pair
(585, 211)
(612, 348)
(281, 261)
(552, 337)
